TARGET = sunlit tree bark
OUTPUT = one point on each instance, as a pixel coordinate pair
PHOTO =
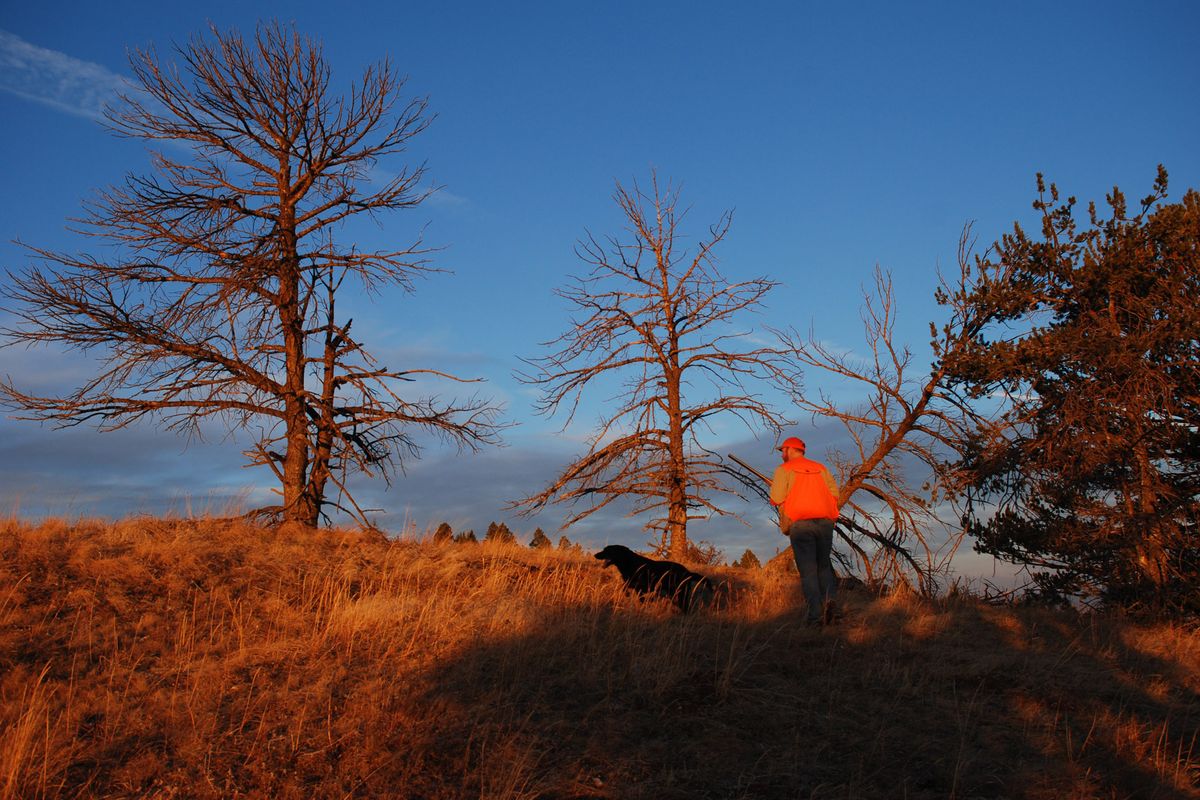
(659, 322)
(219, 295)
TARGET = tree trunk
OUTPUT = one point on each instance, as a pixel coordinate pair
(298, 503)
(1151, 555)
(677, 545)
(322, 466)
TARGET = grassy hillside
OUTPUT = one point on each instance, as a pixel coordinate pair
(208, 660)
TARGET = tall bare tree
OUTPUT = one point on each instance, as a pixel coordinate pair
(219, 298)
(659, 319)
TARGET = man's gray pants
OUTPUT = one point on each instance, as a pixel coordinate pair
(812, 543)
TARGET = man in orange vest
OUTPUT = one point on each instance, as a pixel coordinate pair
(806, 495)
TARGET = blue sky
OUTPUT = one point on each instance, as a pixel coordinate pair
(842, 136)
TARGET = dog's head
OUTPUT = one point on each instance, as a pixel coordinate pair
(615, 554)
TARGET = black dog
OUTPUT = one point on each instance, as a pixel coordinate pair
(644, 575)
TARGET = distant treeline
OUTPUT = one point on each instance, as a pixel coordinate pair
(701, 553)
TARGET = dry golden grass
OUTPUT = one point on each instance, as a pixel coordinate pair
(153, 658)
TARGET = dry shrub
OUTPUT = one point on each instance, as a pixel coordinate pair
(151, 658)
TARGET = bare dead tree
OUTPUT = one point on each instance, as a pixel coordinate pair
(902, 422)
(659, 319)
(219, 300)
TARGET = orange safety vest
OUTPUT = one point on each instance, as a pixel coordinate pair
(809, 497)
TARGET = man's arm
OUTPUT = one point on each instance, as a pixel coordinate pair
(830, 482)
(781, 484)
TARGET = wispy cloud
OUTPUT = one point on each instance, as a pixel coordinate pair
(56, 79)
(444, 199)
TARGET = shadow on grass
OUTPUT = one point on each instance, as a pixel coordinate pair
(152, 659)
(900, 700)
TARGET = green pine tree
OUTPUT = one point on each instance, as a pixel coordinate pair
(499, 532)
(1091, 350)
(748, 560)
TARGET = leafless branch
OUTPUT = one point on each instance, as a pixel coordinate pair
(220, 297)
(662, 320)
(902, 420)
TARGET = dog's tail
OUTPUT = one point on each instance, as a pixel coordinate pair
(705, 592)
(695, 591)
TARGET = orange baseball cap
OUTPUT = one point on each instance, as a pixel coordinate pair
(792, 442)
